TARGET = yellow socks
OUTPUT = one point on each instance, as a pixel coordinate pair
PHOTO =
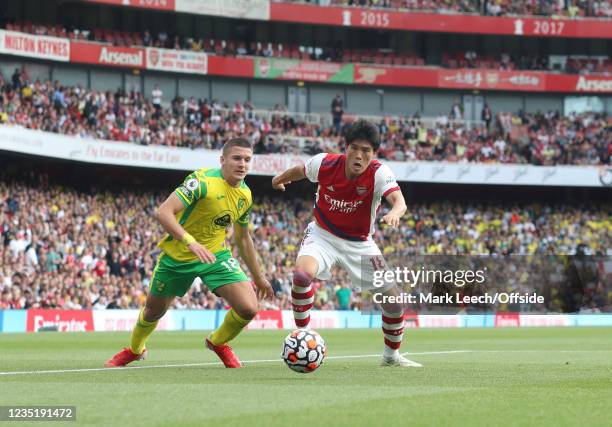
(229, 329)
(231, 326)
(141, 332)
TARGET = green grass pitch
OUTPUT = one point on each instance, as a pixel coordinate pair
(544, 377)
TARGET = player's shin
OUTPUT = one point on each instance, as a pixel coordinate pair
(393, 332)
(302, 298)
(232, 325)
(141, 332)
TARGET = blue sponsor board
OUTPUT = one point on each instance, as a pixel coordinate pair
(479, 320)
(375, 320)
(195, 320)
(591, 320)
(13, 320)
(1, 316)
(353, 319)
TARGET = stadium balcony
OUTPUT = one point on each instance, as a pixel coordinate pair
(571, 64)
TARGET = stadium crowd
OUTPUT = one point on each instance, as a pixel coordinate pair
(541, 139)
(61, 248)
(582, 64)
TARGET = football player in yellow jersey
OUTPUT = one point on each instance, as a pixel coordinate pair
(196, 217)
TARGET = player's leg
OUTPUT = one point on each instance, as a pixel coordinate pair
(360, 260)
(243, 301)
(148, 318)
(169, 279)
(302, 294)
(315, 259)
(226, 279)
(393, 332)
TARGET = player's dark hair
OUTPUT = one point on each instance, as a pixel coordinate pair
(363, 130)
(236, 142)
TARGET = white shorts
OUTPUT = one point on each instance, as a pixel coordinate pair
(359, 259)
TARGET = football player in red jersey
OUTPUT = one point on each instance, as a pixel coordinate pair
(350, 189)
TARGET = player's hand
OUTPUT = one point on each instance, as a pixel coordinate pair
(277, 184)
(203, 254)
(391, 219)
(264, 288)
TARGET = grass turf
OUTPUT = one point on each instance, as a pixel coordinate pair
(505, 376)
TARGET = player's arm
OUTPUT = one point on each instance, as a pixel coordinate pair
(386, 186)
(246, 249)
(309, 170)
(398, 208)
(166, 215)
(296, 173)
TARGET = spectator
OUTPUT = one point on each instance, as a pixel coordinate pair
(337, 111)
(343, 297)
(456, 111)
(162, 37)
(5, 299)
(147, 40)
(16, 80)
(486, 116)
(156, 99)
(59, 101)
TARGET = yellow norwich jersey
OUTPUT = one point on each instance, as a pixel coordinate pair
(211, 206)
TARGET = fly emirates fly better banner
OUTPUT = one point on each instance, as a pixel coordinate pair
(38, 143)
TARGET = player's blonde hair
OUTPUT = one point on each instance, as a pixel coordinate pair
(236, 142)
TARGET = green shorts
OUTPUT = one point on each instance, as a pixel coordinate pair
(174, 278)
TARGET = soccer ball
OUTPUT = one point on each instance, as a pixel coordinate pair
(304, 350)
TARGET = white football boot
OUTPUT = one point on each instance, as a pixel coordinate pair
(399, 360)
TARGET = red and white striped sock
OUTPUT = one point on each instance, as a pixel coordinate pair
(302, 298)
(393, 331)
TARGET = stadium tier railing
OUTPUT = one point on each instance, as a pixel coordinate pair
(326, 119)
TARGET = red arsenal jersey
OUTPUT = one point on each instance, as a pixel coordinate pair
(347, 207)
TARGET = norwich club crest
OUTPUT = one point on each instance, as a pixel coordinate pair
(223, 220)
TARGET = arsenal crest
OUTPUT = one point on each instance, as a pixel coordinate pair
(264, 67)
(361, 190)
(154, 56)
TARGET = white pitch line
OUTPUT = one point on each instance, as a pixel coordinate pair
(187, 365)
(538, 351)
(358, 356)
(424, 353)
